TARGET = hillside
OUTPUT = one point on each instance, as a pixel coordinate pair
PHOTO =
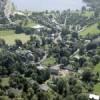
(10, 36)
(5, 7)
(92, 29)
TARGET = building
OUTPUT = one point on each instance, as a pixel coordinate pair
(94, 97)
(38, 28)
(55, 69)
(40, 67)
(19, 13)
(44, 87)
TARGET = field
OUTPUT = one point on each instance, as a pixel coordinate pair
(97, 89)
(88, 13)
(91, 30)
(5, 81)
(9, 36)
(30, 23)
(97, 86)
(49, 61)
(97, 68)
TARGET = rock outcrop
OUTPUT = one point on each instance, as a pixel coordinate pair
(5, 8)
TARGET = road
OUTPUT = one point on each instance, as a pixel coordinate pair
(57, 38)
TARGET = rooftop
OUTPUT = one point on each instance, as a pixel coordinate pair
(38, 26)
(93, 96)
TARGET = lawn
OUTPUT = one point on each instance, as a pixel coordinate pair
(10, 36)
(30, 23)
(97, 86)
(88, 13)
(97, 68)
(91, 30)
(97, 89)
(5, 81)
(49, 61)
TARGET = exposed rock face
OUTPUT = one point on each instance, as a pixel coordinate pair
(5, 8)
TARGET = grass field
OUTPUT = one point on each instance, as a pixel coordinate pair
(9, 36)
(49, 61)
(97, 89)
(88, 13)
(97, 86)
(30, 23)
(5, 81)
(91, 30)
(97, 68)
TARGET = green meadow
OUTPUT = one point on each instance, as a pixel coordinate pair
(10, 36)
(92, 29)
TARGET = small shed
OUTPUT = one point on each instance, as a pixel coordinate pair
(94, 97)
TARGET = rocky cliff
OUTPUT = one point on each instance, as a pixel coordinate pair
(5, 11)
(5, 8)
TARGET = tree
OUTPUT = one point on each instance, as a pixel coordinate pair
(75, 35)
(64, 61)
(2, 42)
(43, 96)
(77, 89)
(83, 9)
(70, 97)
(91, 46)
(18, 29)
(72, 81)
(82, 60)
(18, 42)
(99, 25)
(65, 32)
(95, 4)
(82, 97)
(11, 93)
(60, 86)
(87, 75)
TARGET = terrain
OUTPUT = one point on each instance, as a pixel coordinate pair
(50, 55)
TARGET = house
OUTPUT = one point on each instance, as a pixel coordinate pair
(68, 67)
(38, 28)
(44, 87)
(19, 13)
(40, 67)
(94, 97)
(55, 69)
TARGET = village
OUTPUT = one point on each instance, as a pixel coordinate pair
(46, 56)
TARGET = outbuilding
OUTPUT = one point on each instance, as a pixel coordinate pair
(94, 97)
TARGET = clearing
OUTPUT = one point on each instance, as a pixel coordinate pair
(10, 36)
(92, 29)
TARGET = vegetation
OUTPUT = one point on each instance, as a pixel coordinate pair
(53, 61)
(88, 14)
(97, 88)
(49, 61)
(97, 68)
(92, 29)
(10, 36)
